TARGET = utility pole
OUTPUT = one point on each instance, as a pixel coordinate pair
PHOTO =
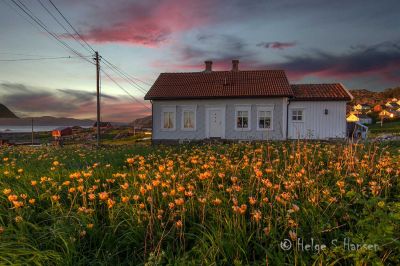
(98, 96)
(32, 131)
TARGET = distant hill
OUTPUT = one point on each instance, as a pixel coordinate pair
(46, 121)
(144, 122)
(6, 113)
(373, 98)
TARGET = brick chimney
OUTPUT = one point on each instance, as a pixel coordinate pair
(208, 66)
(235, 65)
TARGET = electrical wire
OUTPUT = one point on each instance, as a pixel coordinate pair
(122, 88)
(30, 14)
(39, 22)
(126, 78)
(108, 64)
(72, 27)
(36, 59)
(59, 23)
(130, 76)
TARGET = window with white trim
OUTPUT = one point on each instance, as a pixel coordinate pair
(188, 118)
(242, 117)
(264, 117)
(168, 118)
(297, 115)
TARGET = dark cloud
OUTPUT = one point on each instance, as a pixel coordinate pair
(34, 101)
(276, 45)
(221, 49)
(84, 96)
(381, 60)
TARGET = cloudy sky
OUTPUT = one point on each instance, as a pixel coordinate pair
(354, 42)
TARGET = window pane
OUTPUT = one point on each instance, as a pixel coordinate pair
(267, 122)
(294, 117)
(239, 122)
(261, 123)
(168, 120)
(188, 119)
(171, 122)
(245, 122)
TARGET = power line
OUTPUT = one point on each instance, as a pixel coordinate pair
(72, 27)
(29, 13)
(125, 77)
(34, 59)
(122, 88)
(130, 76)
(59, 23)
(23, 54)
(34, 18)
(108, 63)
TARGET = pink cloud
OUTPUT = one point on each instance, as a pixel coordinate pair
(149, 24)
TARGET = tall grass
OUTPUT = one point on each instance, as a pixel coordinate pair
(189, 205)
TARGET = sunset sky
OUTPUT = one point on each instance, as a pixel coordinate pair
(355, 42)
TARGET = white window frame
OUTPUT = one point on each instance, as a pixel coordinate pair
(302, 115)
(189, 108)
(170, 109)
(243, 108)
(265, 109)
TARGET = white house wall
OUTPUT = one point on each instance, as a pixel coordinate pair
(279, 119)
(316, 124)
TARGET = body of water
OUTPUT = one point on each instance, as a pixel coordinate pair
(26, 129)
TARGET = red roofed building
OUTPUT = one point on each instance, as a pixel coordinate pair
(245, 105)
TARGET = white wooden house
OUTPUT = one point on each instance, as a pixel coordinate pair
(244, 105)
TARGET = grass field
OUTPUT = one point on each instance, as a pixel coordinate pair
(235, 204)
(386, 128)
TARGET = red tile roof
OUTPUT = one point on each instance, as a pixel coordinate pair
(321, 92)
(228, 84)
(220, 84)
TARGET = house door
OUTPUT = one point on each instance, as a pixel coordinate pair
(215, 123)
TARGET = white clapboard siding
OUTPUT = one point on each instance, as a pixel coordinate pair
(316, 124)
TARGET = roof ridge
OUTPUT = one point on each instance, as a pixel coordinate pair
(336, 83)
(220, 71)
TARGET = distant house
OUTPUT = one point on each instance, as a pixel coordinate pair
(352, 118)
(364, 119)
(392, 105)
(244, 105)
(378, 108)
(61, 132)
(4, 142)
(362, 107)
(103, 125)
(387, 114)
